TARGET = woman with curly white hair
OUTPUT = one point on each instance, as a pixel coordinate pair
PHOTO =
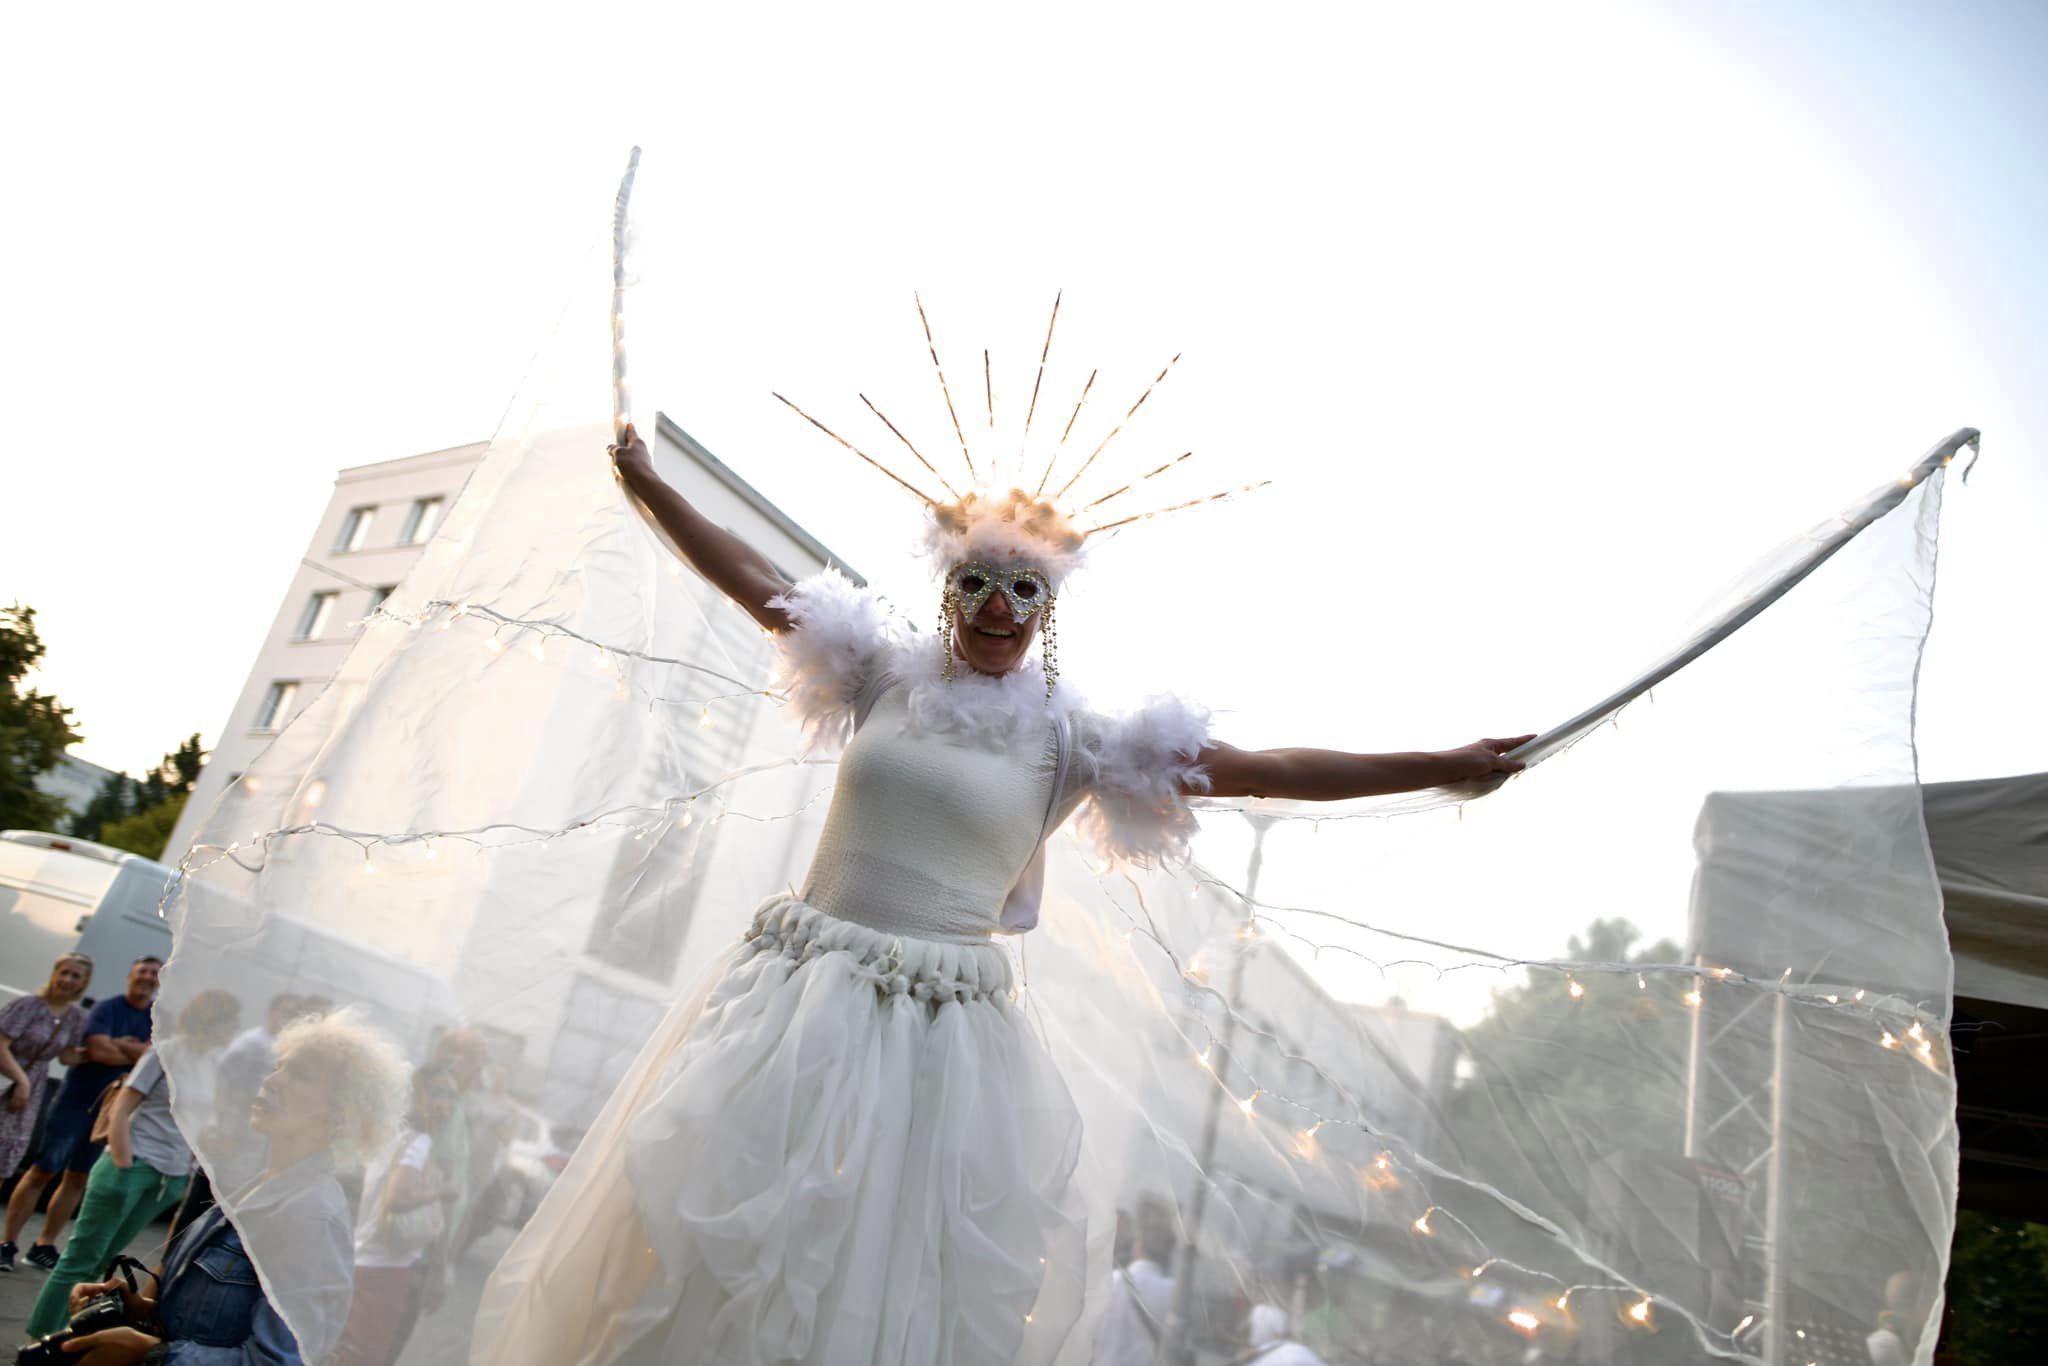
(331, 1098)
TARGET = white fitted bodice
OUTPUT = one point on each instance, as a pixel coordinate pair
(929, 830)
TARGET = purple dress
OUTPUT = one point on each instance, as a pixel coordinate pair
(36, 1037)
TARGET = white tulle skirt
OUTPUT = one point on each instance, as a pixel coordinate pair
(846, 1147)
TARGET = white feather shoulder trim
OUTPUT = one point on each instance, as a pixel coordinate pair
(1134, 768)
(840, 633)
(997, 712)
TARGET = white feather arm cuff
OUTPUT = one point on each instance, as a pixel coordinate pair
(839, 632)
(1136, 768)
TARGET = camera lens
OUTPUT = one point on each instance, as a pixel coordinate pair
(44, 1351)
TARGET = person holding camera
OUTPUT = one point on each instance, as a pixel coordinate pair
(145, 1167)
(329, 1099)
(209, 1310)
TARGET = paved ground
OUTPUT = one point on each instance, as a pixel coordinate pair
(442, 1339)
(18, 1291)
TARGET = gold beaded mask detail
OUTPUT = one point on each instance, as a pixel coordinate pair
(1023, 588)
(1026, 590)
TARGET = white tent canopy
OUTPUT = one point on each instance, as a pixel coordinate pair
(1989, 839)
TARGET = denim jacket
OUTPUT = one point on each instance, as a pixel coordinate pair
(214, 1309)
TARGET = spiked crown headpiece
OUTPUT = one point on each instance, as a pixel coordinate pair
(988, 522)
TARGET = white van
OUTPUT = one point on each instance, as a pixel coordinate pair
(60, 895)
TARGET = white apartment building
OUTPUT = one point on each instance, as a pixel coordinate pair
(374, 527)
(612, 962)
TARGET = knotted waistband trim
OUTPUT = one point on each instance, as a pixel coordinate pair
(898, 965)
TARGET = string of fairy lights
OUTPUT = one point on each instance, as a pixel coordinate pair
(1386, 1170)
(1880, 1008)
(1396, 1165)
(640, 819)
(1900, 1025)
(445, 613)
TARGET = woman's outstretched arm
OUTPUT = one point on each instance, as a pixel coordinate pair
(1328, 775)
(732, 566)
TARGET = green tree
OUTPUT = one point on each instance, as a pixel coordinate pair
(34, 727)
(173, 777)
(1548, 1060)
(146, 832)
(1997, 1293)
(114, 800)
(125, 813)
(1591, 1013)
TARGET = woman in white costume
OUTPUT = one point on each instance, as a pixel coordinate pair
(544, 777)
(847, 1147)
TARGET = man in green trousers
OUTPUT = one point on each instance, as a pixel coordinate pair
(140, 1176)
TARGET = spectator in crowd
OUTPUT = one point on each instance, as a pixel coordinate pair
(233, 1150)
(1887, 1346)
(1266, 1332)
(143, 1171)
(400, 1224)
(463, 1053)
(229, 1146)
(34, 1030)
(116, 1036)
(329, 1100)
(1140, 1295)
(1321, 1316)
(211, 1018)
(494, 1195)
(204, 1029)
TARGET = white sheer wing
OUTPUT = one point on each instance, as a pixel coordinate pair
(1641, 1059)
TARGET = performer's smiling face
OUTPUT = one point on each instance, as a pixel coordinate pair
(992, 640)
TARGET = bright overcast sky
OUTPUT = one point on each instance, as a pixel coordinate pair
(1544, 323)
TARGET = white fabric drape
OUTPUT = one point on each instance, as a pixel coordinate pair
(1628, 1058)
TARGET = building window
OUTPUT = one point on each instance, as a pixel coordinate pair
(381, 592)
(277, 704)
(313, 622)
(355, 529)
(421, 521)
